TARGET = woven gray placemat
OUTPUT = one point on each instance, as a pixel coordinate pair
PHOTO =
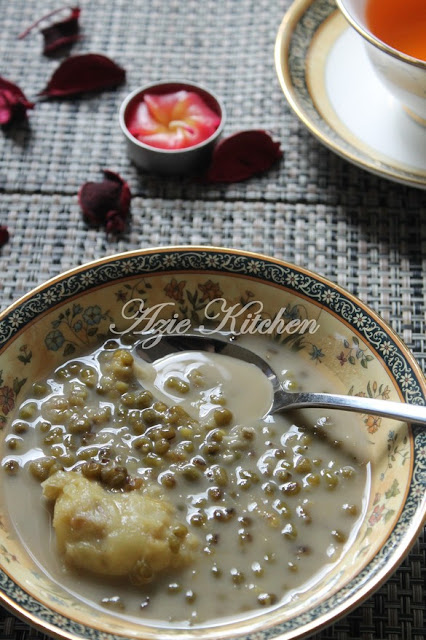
(376, 252)
(226, 44)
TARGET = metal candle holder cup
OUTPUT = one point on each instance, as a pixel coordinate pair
(188, 160)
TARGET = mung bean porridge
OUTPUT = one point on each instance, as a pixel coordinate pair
(164, 491)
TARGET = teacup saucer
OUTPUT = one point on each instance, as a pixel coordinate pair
(329, 82)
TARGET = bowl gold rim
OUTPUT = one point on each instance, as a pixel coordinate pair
(408, 540)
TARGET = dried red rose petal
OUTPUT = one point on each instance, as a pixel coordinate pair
(106, 202)
(58, 34)
(242, 155)
(61, 34)
(13, 103)
(86, 72)
(4, 235)
(115, 223)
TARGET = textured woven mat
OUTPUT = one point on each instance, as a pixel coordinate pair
(313, 208)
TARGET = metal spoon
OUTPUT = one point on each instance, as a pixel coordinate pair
(226, 345)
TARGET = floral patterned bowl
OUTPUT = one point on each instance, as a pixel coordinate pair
(75, 310)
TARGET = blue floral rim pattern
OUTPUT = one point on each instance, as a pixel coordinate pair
(302, 283)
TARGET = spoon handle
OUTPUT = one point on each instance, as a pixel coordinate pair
(386, 408)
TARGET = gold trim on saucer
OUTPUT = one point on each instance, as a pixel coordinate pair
(414, 116)
(316, 59)
(307, 95)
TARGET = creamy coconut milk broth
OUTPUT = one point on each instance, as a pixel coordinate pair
(261, 507)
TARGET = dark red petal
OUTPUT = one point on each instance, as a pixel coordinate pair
(87, 72)
(242, 155)
(115, 223)
(4, 235)
(125, 195)
(13, 88)
(61, 33)
(97, 198)
(102, 202)
(13, 103)
(7, 103)
(42, 19)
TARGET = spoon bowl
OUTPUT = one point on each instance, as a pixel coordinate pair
(226, 344)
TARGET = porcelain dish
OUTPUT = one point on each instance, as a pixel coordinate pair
(330, 83)
(352, 341)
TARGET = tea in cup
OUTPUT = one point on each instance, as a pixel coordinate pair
(394, 33)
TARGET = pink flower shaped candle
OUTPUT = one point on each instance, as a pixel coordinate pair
(171, 127)
(173, 120)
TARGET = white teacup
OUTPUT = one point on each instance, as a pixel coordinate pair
(402, 74)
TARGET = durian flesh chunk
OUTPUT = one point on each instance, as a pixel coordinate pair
(134, 534)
